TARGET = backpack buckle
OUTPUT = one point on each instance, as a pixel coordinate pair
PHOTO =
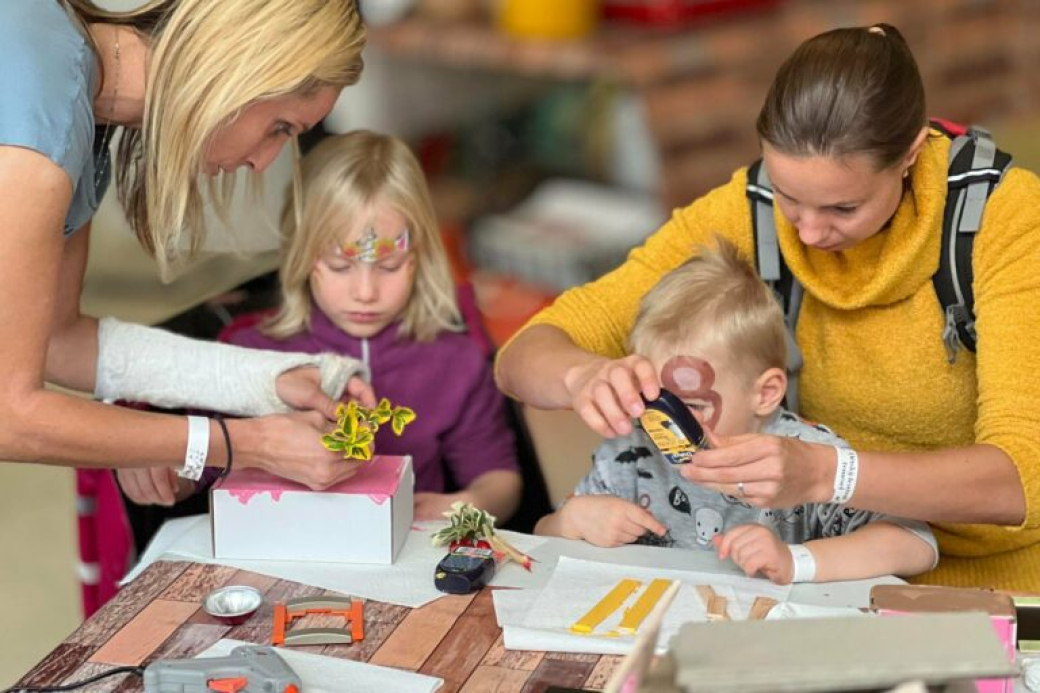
(956, 314)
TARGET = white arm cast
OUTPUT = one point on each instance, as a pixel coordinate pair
(146, 364)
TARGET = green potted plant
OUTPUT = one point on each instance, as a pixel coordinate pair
(471, 526)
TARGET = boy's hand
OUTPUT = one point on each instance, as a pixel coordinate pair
(154, 485)
(757, 549)
(606, 520)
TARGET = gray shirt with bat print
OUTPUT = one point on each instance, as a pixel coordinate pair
(630, 467)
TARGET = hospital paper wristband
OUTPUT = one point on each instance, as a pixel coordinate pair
(804, 563)
(198, 448)
(845, 475)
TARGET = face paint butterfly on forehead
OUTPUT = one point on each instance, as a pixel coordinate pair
(370, 248)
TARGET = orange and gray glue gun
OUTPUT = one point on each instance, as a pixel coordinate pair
(248, 669)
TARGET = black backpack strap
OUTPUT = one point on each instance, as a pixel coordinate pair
(774, 271)
(976, 168)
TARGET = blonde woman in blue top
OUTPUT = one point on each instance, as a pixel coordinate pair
(197, 89)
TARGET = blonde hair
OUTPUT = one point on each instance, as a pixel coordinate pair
(714, 299)
(209, 61)
(340, 177)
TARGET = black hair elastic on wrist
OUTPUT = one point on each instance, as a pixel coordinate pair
(227, 445)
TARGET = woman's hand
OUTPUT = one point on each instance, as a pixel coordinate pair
(606, 393)
(289, 446)
(763, 470)
(300, 388)
(606, 520)
(154, 485)
(757, 549)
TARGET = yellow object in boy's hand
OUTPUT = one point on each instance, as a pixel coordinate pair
(356, 427)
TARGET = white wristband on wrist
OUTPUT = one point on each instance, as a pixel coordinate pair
(198, 448)
(845, 475)
(804, 563)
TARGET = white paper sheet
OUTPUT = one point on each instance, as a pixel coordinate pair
(795, 610)
(541, 620)
(321, 674)
(408, 582)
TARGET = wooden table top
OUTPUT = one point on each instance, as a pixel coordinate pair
(159, 616)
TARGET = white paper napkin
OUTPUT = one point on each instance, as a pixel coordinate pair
(408, 582)
(321, 674)
(541, 619)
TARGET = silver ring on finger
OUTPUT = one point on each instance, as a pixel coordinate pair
(740, 489)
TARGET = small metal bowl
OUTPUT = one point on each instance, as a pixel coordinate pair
(233, 604)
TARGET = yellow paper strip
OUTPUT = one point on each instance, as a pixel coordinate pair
(637, 612)
(606, 606)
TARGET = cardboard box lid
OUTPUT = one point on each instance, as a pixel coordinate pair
(932, 599)
(836, 654)
(379, 479)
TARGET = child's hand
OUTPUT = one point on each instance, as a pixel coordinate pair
(606, 520)
(361, 391)
(432, 506)
(300, 388)
(757, 549)
(154, 485)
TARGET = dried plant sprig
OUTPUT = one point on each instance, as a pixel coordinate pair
(356, 427)
(467, 523)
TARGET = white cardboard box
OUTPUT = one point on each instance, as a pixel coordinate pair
(364, 519)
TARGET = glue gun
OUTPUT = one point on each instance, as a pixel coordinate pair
(248, 669)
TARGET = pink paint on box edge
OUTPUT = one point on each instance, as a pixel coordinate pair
(378, 480)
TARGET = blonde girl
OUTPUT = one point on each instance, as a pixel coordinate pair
(365, 275)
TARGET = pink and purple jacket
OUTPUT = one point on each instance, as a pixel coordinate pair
(461, 430)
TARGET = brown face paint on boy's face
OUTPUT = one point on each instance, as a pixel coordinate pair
(692, 378)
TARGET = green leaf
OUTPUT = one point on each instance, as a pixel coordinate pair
(363, 436)
(402, 416)
(381, 414)
(360, 452)
(333, 444)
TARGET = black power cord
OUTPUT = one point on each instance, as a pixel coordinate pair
(78, 684)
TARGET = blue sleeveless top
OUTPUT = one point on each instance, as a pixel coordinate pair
(47, 87)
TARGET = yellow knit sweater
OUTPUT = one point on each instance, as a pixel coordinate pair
(870, 325)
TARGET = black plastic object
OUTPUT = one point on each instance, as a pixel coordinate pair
(672, 428)
(464, 570)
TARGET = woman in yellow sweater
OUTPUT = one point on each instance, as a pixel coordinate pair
(860, 186)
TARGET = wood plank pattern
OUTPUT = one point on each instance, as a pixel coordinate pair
(602, 672)
(380, 621)
(420, 632)
(65, 658)
(114, 615)
(499, 656)
(464, 646)
(159, 616)
(187, 641)
(198, 581)
(568, 673)
(111, 683)
(145, 633)
(498, 679)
